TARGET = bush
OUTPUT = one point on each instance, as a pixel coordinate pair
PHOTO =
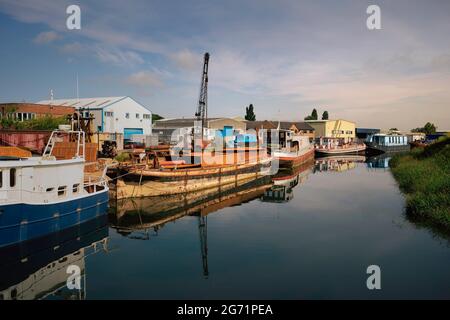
(424, 175)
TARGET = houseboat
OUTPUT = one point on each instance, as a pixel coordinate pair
(334, 146)
(46, 194)
(381, 142)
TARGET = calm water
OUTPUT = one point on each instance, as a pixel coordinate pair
(312, 236)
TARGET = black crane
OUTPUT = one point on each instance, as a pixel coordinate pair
(202, 108)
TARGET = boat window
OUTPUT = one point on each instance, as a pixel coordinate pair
(1, 178)
(61, 190)
(12, 177)
(75, 188)
(49, 189)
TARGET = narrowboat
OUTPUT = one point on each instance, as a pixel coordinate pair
(46, 194)
(381, 142)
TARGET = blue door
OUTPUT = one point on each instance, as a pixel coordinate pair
(127, 132)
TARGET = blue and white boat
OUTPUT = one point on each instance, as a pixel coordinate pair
(43, 195)
(392, 142)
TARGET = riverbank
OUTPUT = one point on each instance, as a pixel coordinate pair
(423, 175)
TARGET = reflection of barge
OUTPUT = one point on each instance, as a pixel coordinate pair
(153, 212)
(338, 163)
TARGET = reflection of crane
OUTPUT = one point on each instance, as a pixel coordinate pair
(203, 232)
(202, 108)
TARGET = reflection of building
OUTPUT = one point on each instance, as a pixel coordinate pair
(38, 269)
(337, 163)
(333, 129)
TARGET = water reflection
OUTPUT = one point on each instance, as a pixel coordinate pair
(379, 162)
(285, 182)
(37, 269)
(339, 163)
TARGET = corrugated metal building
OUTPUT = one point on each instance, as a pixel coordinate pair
(112, 114)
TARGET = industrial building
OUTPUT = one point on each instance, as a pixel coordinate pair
(30, 111)
(362, 133)
(299, 128)
(333, 129)
(112, 114)
(170, 129)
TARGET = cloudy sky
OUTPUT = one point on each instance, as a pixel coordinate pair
(285, 57)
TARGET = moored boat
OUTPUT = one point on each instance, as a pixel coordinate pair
(392, 142)
(335, 146)
(42, 195)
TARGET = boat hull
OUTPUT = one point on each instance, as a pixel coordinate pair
(294, 160)
(349, 150)
(153, 183)
(387, 149)
(22, 222)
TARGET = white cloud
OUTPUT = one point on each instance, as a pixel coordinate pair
(186, 59)
(144, 79)
(46, 37)
(117, 56)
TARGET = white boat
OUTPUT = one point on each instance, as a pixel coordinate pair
(43, 195)
(334, 146)
(287, 148)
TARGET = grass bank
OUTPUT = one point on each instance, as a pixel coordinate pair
(423, 176)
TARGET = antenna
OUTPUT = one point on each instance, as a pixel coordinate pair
(78, 90)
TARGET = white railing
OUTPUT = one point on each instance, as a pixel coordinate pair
(81, 135)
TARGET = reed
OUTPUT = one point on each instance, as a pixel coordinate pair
(423, 176)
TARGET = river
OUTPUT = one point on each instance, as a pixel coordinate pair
(312, 235)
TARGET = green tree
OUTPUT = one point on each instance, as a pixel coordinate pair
(309, 117)
(314, 114)
(156, 117)
(249, 113)
(325, 115)
(429, 128)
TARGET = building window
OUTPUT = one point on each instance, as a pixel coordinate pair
(109, 114)
(137, 115)
(127, 115)
(75, 188)
(61, 191)
(12, 177)
(147, 116)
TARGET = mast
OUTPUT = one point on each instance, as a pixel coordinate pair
(202, 108)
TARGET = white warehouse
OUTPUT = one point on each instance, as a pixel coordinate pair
(112, 114)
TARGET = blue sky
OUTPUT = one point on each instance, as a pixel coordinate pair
(285, 57)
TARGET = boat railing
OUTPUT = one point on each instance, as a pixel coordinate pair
(79, 139)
